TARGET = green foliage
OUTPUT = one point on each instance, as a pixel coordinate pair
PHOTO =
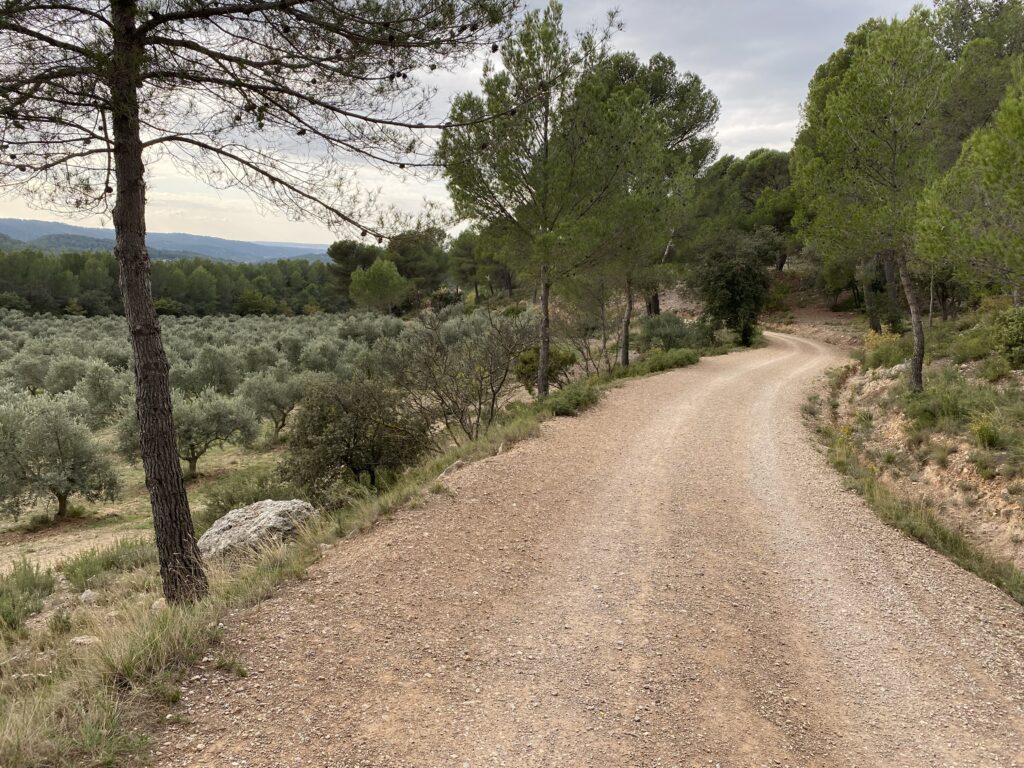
(46, 450)
(987, 432)
(210, 419)
(89, 568)
(572, 399)
(273, 395)
(668, 331)
(21, 594)
(995, 368)
(948, 402)
(970, 219)
(886, 350)
(733, 287)
(561, 362)
(659, 360)
(379, 287)
(1009, 334)
(45, 282)
(458, 368)
(351, 427)
(239, 489)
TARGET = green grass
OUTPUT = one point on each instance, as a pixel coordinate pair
(88, 569)
(21, 594)
(916, 518)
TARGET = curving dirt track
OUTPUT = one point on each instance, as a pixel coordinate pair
(676, 578)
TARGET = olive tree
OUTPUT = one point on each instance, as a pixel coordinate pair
(277, 97)
(205, 421)
(274, 395)
(460, 369)
(47, 451)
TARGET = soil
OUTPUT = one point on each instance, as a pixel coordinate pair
(675, 578)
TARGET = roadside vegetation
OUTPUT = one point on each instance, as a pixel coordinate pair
(945, 465)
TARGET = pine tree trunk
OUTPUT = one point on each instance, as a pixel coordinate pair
(62, 505)
(627, 320)
(917, 323)
(894, 312)
(654, 304)
(181, 566)
(544, 354)
(870, 302)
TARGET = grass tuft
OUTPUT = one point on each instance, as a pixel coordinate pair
(90, 568)
(917, 518)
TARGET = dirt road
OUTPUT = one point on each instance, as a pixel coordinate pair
(673, 579)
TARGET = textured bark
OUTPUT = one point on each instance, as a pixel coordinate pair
(62, 505)
(917, 323)
(627, 320)
(181, 566)
(894, 308)
(654, 304)
(544, 353)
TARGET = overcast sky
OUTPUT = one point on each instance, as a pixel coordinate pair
(756, 55)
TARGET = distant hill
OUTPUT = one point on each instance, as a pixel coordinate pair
(55, 236)
(62, 243)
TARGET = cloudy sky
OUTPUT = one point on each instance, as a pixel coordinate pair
(756, 55)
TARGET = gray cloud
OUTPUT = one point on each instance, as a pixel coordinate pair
(757, 56)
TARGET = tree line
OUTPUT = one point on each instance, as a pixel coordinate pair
(908, 164)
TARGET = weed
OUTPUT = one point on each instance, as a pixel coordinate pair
(21, 594)
(87, 568)
(60, 622)
(231, 665)
(987, 432)
(885, 350)
(995, 368)
(986, 464)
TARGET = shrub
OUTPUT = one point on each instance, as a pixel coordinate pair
(668, 331)
(239, 489)
(995, 368)
(975, 344)
(1009, 335)
(885, 350)
(572, 399)
(665, 360)
(458, 368)
(21, 594)
(946, 403)
(82, 570)
(986, 432)
(561, 361)
(352, 426)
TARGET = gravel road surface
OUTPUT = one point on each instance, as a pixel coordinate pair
(675, 578)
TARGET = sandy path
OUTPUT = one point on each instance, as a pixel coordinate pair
(674, 579)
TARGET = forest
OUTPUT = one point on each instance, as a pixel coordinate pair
(595, 233)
